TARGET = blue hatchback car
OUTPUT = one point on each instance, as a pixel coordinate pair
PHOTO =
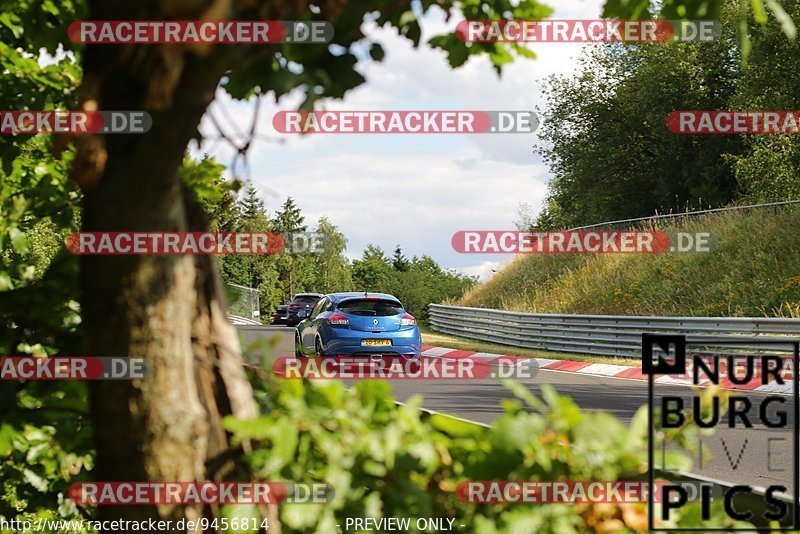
(358, 324)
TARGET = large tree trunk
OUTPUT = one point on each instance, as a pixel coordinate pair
(168, 309)
(161, 307)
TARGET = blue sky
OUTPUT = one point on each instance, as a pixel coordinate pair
(415, 190)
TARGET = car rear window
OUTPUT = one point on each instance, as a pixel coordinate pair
(305, 300)
(380, 308)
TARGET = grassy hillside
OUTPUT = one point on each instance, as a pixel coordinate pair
(753, 271)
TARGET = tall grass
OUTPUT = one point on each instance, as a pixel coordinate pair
(754, 270)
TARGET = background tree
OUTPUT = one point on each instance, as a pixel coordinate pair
(399, 262)
(295, 275)
(425, 282)
(252, 206)
(769, 167)
(605, 140)
(262, 270)
(373, 271)
(607, 145)
(330, 267)
(289, 218)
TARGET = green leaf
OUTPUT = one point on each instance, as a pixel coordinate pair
(638, 428)
(413, 32)
(13, 23)
(285, 437)
(5, 282)
(376, 52)
(457, 51)
(49, 7)
(7, 434)
(300, 516)
(500, 55)
(745, 44)
(787, 24)
(35, 480)
(759, 13)
(406, 18)
(19, 241)
(247, 428)
(456, 427)
(524, 51)
(514, 433)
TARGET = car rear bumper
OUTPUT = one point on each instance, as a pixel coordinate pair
(346, 342)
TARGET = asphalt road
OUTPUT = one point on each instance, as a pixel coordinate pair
(285, 334)
(754, 456)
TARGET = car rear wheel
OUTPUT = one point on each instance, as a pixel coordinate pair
(318, 350)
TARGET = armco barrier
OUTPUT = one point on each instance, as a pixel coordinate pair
(607, 335)
(239, 321)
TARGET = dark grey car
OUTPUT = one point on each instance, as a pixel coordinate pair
(300, 307)
(279, 315)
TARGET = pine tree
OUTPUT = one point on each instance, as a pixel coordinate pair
(252, 206)
(289, 218)
(400, 262)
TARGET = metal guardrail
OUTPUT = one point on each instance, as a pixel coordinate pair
(686, 214)
(609, 335)
(242, 321)
(243, 304)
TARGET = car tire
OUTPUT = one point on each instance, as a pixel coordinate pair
(318, 350)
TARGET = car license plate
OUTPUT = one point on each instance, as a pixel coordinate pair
(376, 342)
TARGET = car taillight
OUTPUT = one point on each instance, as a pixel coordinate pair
(408, 320)
(338, 320)
(294, 307)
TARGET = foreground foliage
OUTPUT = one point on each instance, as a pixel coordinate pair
(381, 459)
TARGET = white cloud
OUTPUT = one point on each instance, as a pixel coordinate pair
(415, 190)
(484, 271)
